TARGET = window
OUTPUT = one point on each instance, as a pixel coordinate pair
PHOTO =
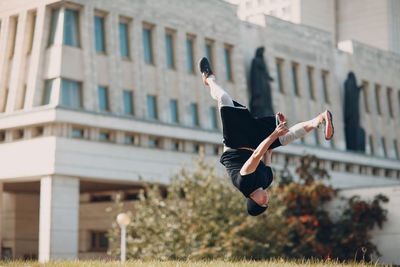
(5, 101)
(196, 148)
(377, 93)
(151, 107)
(128, 102)
(383, 144)
(55, 13)
(295, 78)
(103, 98)
(123, 39)
(129, 139)
(194, 113)
(154, 142)
(215, 150)
(371, 145)
(365, 91)
(71, 28)
(279, 64)
(310, 76)
(396, 149)
(169, 48)
(71, 93)
(48, 88)
(389, 101)
(2, 136)
(32, 33)
(99, 34)
(209, 51)
(104, 136)
(174, 110)
(189, 53)
(14, 27)
(174, 145)
(77, 133)
(147, 44)
(18, 134)
(213, 115)
(228, 62)
(324, 76)
(99, 240)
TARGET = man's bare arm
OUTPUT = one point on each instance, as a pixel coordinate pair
(251, 164)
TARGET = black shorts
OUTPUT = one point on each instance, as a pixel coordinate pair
(241, 129)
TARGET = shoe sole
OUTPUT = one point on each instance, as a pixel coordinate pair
(329, 129)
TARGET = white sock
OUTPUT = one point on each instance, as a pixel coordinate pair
(317, 121)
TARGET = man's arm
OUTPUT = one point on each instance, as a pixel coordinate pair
(251, 164)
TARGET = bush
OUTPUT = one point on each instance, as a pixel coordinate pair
(203, 216)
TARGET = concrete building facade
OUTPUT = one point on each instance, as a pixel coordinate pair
(94, 94)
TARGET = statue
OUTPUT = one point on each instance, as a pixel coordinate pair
(260, 99)
(355, 135)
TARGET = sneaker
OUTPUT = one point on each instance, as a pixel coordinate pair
(205, 69)
(279, 118)
(327, 118)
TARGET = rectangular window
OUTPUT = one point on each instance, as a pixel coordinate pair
(48, 87)
(278, 65)
(377, 100)
(5, 101)
(389, 101)
(174, 145)
(129, 139)
(147, 45)
(196, 148)
(77, 133)
(32, 33)
(154, 142)
(324, 76)
(396, 149)
(228, 62)
(295, 78)
(103, 98)
(128, 102)
(213, 116)
(71, 93)
(383, 144)
(104, 136)
(55, 13)
(371, 145)
(2, 136)
(14, 28)
(151, 107)
(310, 76)
(365, 91)
(99, 240)
(123, 39)
(189, 53)
(99, 34)
(71, 28)
(174, 110)
(209, 51)
(169, 49)
(195, 114)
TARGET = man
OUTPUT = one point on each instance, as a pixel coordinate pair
(247, 140)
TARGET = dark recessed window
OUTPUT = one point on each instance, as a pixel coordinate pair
(99, 241)
(100, 198)
(154, 142)
(175, 145)
(129, 139)
(104, 136)
(77, 133)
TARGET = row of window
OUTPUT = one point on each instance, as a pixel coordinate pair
(71, 95)
(377, 95)
(294, 66)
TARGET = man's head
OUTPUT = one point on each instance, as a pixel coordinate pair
(257, 203)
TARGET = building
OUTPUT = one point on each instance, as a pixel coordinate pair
(95, 93)
(346, 20)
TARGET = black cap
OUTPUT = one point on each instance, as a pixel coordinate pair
(253, 208)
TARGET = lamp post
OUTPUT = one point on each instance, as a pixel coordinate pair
(123, 220)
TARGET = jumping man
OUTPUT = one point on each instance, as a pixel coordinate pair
(249, 141)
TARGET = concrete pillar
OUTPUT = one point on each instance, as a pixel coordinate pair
(1, 218)
(58, 218)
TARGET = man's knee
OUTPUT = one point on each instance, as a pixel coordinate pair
(226, 100)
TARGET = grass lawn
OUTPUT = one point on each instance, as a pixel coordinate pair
(277, 263)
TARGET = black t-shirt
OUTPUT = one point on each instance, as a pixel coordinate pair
(234, 159)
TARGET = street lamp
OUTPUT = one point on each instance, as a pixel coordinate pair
(123, 220)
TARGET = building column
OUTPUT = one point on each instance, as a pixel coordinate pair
(58, 218)
(1, 219)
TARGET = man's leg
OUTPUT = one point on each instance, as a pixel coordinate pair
(218, 93)
(302, 129)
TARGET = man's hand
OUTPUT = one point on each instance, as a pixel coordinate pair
(281, 117)
(281, 129)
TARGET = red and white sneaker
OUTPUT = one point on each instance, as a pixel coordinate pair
(205, 69)
(328, 122)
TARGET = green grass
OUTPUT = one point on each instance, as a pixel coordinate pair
(212, 263)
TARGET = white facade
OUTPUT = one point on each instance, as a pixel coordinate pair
(59, 161)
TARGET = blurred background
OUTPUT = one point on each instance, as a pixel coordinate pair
(95, 93)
